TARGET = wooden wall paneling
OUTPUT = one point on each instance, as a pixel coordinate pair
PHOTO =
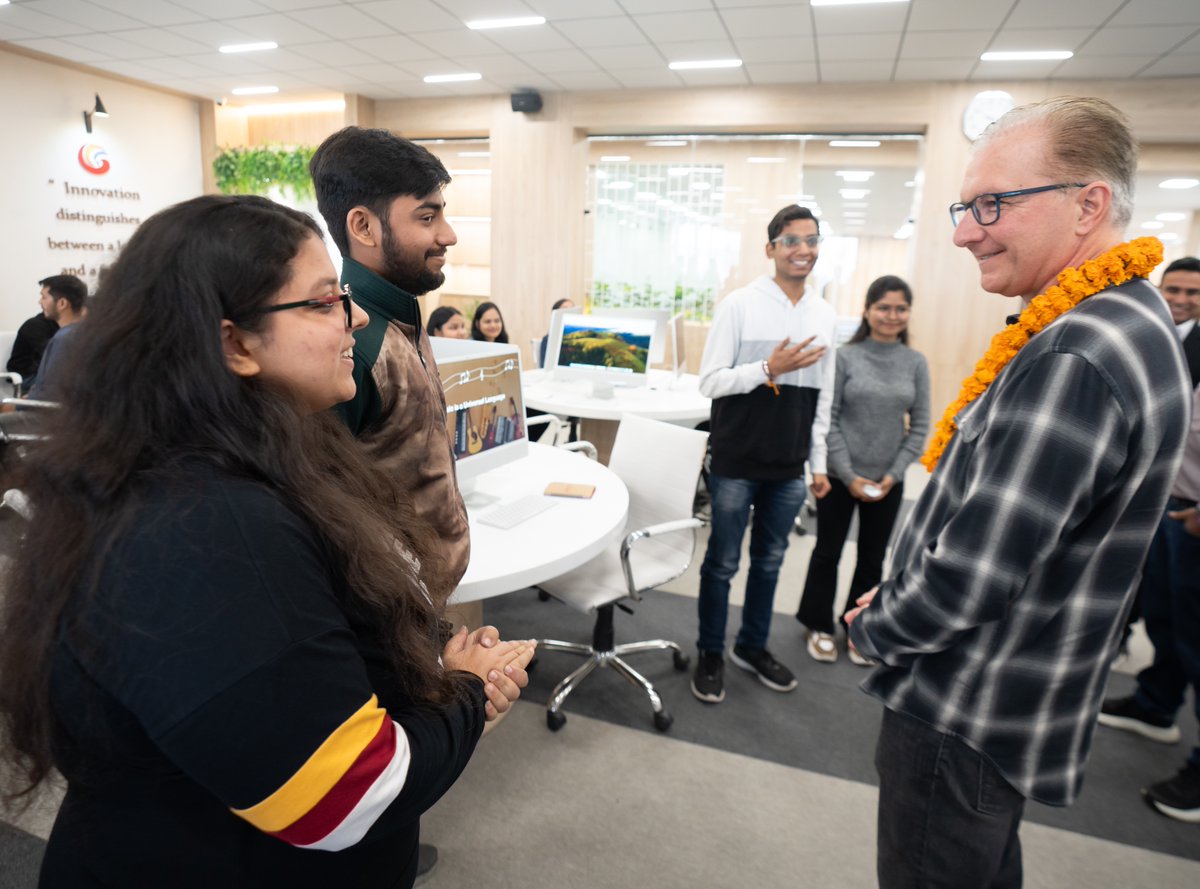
(208, 144)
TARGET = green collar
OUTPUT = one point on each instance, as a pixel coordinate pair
(378, 296)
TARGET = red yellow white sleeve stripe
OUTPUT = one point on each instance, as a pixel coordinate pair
(334, 798)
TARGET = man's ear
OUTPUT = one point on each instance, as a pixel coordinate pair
(363, 227)
(1095, 206)
(239, 348)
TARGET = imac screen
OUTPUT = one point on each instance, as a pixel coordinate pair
(483, 403)
(606, 343)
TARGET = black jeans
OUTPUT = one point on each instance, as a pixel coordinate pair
(875, 523)
(947, 818)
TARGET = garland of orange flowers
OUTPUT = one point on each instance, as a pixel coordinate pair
(1135, 259)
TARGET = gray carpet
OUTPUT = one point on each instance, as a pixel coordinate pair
(826, 725)
(20, 858)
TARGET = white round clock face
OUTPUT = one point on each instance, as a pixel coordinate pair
(983, 109)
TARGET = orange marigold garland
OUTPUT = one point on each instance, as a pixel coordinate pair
(1135, 259)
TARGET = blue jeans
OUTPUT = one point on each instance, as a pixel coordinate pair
(1171, 610)
(947, 818)
(775, 506)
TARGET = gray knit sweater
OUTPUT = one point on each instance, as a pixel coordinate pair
(875, 387)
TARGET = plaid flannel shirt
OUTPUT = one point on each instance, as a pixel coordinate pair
(1012, 578)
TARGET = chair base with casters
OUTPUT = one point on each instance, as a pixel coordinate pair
(605, 654)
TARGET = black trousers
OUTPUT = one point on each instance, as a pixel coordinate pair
(875, 523)
(947, 818)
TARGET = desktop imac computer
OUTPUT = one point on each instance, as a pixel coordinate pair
(485, 411)
(609, 347)
(678, 357)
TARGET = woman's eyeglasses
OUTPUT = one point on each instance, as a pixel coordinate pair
(344, 296)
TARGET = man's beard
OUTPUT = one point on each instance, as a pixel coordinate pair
(411, 275)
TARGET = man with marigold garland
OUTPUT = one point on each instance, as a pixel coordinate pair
(1011, 580)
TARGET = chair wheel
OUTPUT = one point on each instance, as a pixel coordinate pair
(682, 661)
(555, 721)
(662, 720)
(543, 596)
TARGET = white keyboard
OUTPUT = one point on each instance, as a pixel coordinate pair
(514, 512)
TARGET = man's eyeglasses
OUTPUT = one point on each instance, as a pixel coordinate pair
(986, 207)
(344, 297)
(790, 241)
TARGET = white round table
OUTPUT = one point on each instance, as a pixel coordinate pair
(566, 535)
(663, 398)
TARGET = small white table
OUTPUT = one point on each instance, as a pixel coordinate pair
(566, 535)
(663, 398)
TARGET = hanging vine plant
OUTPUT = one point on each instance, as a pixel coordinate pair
(257, 170)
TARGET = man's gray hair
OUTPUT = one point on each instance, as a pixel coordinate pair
(1089, 139)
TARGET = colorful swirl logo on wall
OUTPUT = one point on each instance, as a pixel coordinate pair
(94, 159)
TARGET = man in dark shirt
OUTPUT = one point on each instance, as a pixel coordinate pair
(35, 334)
(1181, 288)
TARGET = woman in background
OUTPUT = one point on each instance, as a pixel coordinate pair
(878, 423)
(488, 326)
(447, 321)
(217, 627)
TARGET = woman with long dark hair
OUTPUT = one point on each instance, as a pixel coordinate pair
(877, 427)
(488, 324)
(217, 627)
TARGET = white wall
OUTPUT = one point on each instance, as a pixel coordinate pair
(152, 143)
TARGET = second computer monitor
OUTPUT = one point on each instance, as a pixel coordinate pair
(609, 347)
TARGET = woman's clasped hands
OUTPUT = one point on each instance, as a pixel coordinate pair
(499, 664)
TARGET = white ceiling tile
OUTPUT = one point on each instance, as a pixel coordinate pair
(282, 29)
(677, 26)
(223, 9)
(945, 44)
(1035, 14)
(289, 60)
(289, 5)
(1158, 12)
(1187, 65)
(585, 80)
(840, 48)
(637, 78)
(468, 10)
(601, 32)
(152, 12)
(739, 4)
(210, 34)
(1191, 45)
(179, 67)
(1048, 38)
(238, 65)
(411, 16)
(633, 56)
(378, 72)
(561, 10)
(855, 20)
(526, 40)
(956, 15)
(1014, 70)
(55, 47)
(12, 32)
(776, 49)
(339, 22)
(698, 50)
(395, 48)
(112, 46)
(164, 42)
(460, 42)
(783, 72)
(766, 21)
(86, 16)
(1131, 41)
(558, 62)
(1103, 67)
(640, 7)
(136, 70)
(933, 69)
(855, 72)
(714, 77)
(497, 67)
(476, 88)
(28, 19)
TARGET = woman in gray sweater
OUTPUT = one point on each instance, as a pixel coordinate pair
(878, 424)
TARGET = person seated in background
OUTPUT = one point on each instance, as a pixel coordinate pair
(62, 299)
(32, 337)
(877, 427)
(218, 629)
(447, 321)
(488, 326)
(564, 303)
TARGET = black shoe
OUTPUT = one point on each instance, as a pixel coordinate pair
(759, 661)
(1127, 714)
(708, 679)
(1178, 797)
(427, 859)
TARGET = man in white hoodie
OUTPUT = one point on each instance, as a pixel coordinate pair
(768, 366)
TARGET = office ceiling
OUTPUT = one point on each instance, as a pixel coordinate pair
(383, 48)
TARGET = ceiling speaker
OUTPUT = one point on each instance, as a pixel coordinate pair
(528, 101)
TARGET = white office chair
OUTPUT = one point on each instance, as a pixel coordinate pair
(659, 464)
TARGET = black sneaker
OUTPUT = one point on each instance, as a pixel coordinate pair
(427, 859)
(759, 661)
(708, 679)
(1178, 797)
(1127, 714)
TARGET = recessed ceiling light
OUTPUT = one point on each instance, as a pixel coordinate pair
(614, 158)
(856, 175)
(619, 186)
(764, 160)
(646, 196)
(855, 204)
(1179, 183)
(603, 200)
(249, 47)
(474, 154)
(1171, 217)
(854, 143)
(254, 90)
(854, 194)
(519, 22)
(1152, 225)
(667, 143)
(700, 64)
(1041, 55)
(854, 214)
(452, 78)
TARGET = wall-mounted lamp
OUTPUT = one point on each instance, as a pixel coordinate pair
(98, 110)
